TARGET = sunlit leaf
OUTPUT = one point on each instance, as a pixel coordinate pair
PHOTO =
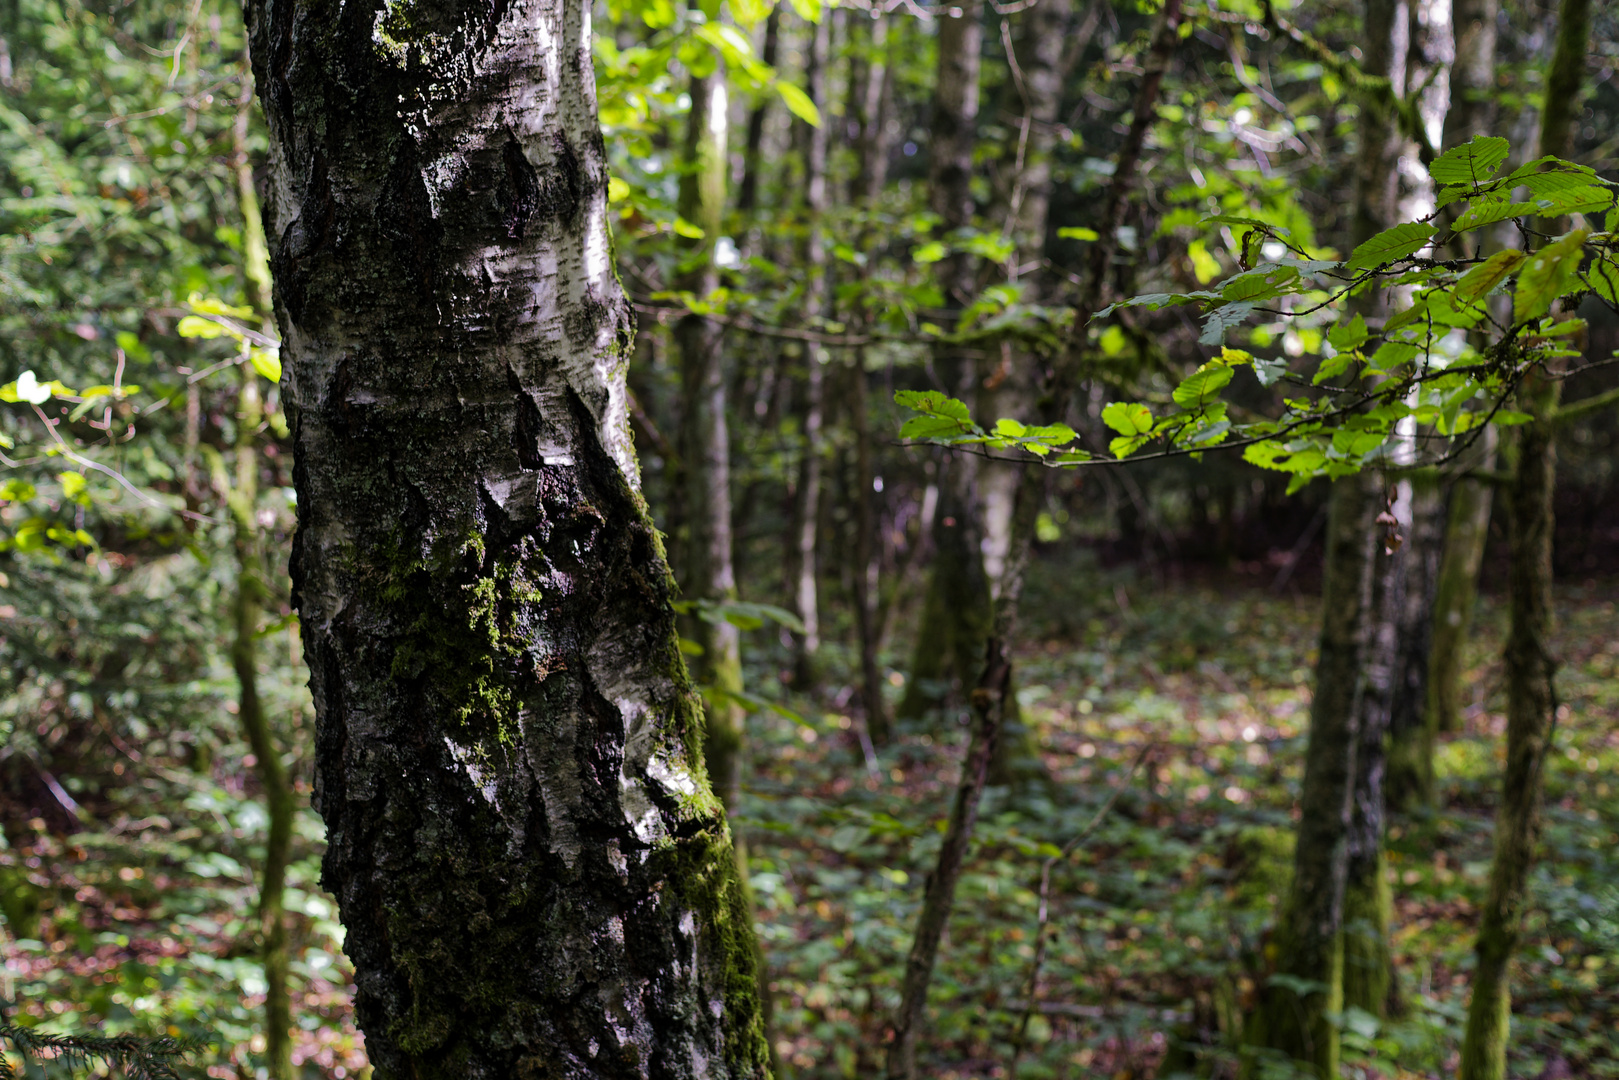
(1391, 245)
(1472, 162)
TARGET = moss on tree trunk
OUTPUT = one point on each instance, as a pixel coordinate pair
(535, 878)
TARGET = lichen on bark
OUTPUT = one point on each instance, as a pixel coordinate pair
(535, 878)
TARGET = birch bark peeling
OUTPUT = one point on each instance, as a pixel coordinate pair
(535, 878)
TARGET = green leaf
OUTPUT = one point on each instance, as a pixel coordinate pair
(1127, 418)
(1221, 319)
(685, 228)
(1582, 199)
(931, 427)
(1350, 335)
(1471, 163)
(930, 252)
(266, 362)
(17, 491)
(1391, 245)
(1074, 232)
(1125, 445)
(1483, 278)
(1489, 211)
(1510, 417)
(798, 103)
(195, 326)
(1333, 366)
(931, 401)
(1009, 427)
(1547, 275)
(1201, 388)
(1259, 285)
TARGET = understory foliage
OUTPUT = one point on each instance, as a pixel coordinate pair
(1249, 349)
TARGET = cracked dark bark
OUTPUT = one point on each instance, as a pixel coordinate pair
(534, 876)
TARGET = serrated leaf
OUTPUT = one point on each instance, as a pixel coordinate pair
(1128, 418)
(1201, 388)
(1472, 162)
(1490, 211)
(1349, 335)
(1125, 445)
(931, 401)
(1483, 278)
(1391, 354)
(1332, 367)
(1391, 245)
(1547, 274)
(1582, 199)
(1269, 371)
(1221, 319)
(1009, 427)
(1259, 285)
(929, 427)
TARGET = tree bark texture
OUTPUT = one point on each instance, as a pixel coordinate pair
(707, 572)
(1472, 72)
(875, 144)
(1411, 741)
(534, 876)
(1291, 1020)
(807, 512)
(1529, 665)
(1531, 709)
(1467, 527)
(956, 606)
(1365, 912)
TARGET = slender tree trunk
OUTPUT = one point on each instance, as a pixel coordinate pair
(807, 515)
(747, 193)
(1337, 874)
(1530, 666)
(534, 875)
(956, 611)
(242, 497)
(873, 151)
(1046, 47)
(1410, 779)
(1471, 113)
(1292, 1017)
(993, 691)
(707, 573)
(1467, 528)
(1531, 707)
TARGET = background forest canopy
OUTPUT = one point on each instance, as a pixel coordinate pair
(1141, 486)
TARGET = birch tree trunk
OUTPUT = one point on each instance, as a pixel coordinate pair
(807, 512)
(535, 878)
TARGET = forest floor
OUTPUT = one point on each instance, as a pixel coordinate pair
(1156, 920)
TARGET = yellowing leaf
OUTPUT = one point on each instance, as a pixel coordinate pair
(266, 362)
(1484, 277)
